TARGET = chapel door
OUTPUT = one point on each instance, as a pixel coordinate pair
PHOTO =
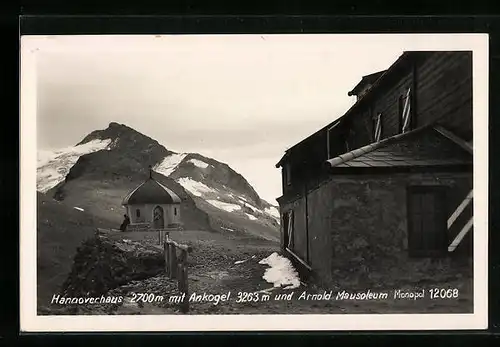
(158, 219)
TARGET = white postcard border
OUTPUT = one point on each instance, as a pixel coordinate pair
(30, 322)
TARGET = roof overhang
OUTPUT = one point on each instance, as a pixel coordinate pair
(283, 158)
(367, 79)
(343, 161)
(462, 143)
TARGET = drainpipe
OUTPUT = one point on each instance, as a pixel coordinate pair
(327, 144)
(307, 223)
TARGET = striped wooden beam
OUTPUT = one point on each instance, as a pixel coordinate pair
(460, 209)
(461, 235)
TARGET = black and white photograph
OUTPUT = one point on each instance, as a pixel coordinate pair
(254, 182)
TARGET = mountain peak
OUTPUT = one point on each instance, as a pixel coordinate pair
(115, 125)
(120, 134)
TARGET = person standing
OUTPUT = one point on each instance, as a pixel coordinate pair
(125, 223)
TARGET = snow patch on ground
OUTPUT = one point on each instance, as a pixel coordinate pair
(228, 229)
(224, 205)
(199, 163)
(194, 187)
(251, 217)
(53, 166)
(169, 164)
(79, 208)
(281, 272)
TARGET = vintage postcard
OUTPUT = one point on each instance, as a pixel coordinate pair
(254, 182)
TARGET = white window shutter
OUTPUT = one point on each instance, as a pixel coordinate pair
(378, 128)
(406, 113)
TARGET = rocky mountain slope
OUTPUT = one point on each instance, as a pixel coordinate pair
(98, 172)
(60, 231)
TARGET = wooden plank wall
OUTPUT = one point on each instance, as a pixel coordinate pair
(300, 227)
(306, 161)
(444, 91)
(388, 105)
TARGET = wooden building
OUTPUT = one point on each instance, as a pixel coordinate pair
(386, 189)
(151, 205)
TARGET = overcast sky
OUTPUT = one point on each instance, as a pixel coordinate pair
(242, 100)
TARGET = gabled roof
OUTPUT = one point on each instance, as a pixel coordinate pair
(151, 192)
(403, 60)
(426, 146)
(366, 80)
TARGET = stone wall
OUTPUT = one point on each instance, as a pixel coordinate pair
(101, 264)
(369, 232)
(141, 227)
(357, 231)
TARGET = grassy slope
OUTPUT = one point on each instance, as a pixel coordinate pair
(61, 229)
(99, 188)
(99, 181)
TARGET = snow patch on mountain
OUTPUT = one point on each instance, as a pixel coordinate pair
(224, 199)
(252, 207)
(198, 163)
(224, 205)
(272, 211)
(194, 187)
(53, 166)
(169, 164)
(251, 216)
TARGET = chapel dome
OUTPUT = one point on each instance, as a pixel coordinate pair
(151, 192)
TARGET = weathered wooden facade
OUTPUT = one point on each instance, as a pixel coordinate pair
(390, 181)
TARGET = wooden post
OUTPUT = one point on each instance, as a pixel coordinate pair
(166, 254)
(173, 261)
(177, 268)
(183, 280)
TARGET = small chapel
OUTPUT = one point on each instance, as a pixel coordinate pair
(151, 205)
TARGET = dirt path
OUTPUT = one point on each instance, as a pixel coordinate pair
(222, 265)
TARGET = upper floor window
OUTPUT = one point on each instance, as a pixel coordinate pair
(288, 174)
(331, 149)
(377, 136)
(405, 112)
(137, 213)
